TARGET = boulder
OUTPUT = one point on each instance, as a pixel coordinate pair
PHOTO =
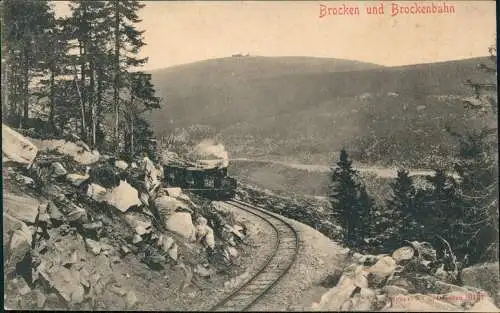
(97, 192)
(25, 180)
(16, 147)
(76, 179)
(173, 252)
(165, 242)
(403, 254)
(424, 250)
(123, 197)
(151, 174)
(75, 213)
(381, 270)
(333, 299)
(67, 283)
(121, 164)
(176, 192)
(17, 239)
(484, 276)
(93, 246)
(182, 224)
(58, 169)
(365, 300)
(205, 232)
(24, 208)
(80, 153)
(54, 212)
(43, 214)
(167, 205)
(140, 223)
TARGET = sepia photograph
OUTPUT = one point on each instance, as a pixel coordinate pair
(250, 155)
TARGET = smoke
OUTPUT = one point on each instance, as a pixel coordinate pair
(209, 153)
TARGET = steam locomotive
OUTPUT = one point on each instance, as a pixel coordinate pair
(212, 183)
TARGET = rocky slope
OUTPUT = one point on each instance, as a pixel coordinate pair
(411, 278)
(85, 231)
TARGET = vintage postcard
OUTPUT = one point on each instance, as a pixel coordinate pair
(250, 155)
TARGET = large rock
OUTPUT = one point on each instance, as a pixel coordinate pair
(403, 254)
(16, 147)
(80, 153)
(182, 224)
(121, 164)
(381, 270)
(123, 197)
(97, 192)
(24, 208)
(140, 223)
(76, 179)
(66, 282)
(205, 232)
(17, 239)
(58, 169)
(151, 174)
(167, 205)
(484, 276)
(333, 299)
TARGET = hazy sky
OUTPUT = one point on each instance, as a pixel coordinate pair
(183, 32)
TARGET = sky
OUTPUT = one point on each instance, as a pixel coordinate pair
(181, 32)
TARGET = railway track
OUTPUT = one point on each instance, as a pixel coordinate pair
(285, 248)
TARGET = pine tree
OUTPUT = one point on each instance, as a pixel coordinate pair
(367, 215)
(402, 209)
(89, 26)
(350, 202)
(25, 25)
(142, 99)
(477, 167)
(127, 43)
(438, 208)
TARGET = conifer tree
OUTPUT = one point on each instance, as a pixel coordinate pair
(127, 42)
(477, 167)
(24, 27)
(402, 208)
(351, 204)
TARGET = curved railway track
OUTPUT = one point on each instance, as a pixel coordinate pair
(286, 243)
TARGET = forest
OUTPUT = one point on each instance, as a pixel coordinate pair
(78, 74)
(458, 214)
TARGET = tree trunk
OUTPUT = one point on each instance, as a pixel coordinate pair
(131, 127)
(117, 74)
(81, 92)
(92, 102)
(100, 78)
(52, 97)
(25, 91)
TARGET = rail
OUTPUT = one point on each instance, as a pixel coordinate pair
(276, 265)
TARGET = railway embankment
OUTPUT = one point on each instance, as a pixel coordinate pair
(85, 231)
(410, 278)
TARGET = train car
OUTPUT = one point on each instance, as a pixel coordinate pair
(212, 183)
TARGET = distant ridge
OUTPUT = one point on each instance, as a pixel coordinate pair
(316, 106)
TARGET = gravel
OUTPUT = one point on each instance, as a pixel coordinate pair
(318, 258)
